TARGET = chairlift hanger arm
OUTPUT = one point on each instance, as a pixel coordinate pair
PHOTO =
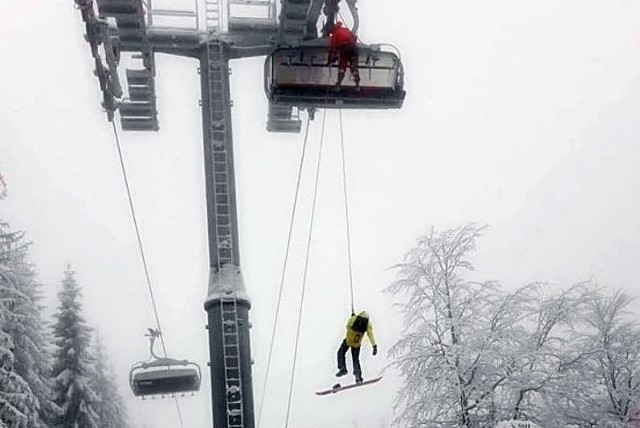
(299, 19)
(330, 10)
(354, 13)
(153, 335)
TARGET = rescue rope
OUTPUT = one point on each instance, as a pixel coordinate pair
(346, 212)
(284, 269)
(142, 254)
(306, 265)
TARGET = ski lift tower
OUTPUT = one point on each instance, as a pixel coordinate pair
(214, 32)
(224, 30)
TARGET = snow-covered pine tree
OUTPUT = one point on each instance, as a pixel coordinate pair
(109, 406)
(27, 330)
(25, 385)
(16, 398)
(17, 402)
(72, 365)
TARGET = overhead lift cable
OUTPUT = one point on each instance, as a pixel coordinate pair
(306, 265)
(142, 254)
(346, 212)
(284, 269)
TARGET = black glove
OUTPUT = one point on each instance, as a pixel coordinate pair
(375, 349)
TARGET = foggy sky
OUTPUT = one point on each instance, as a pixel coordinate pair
(522, 115)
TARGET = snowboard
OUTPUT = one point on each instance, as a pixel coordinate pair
(337, 387)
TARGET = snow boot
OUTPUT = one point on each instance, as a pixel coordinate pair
(339, 82)
(341, 372)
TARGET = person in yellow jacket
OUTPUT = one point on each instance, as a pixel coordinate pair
(357, 326)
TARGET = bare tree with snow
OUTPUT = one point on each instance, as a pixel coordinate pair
(549, 348)
(473, 354)
(600, 389)
(461, 336)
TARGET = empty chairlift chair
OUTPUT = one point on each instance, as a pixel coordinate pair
(301, 77)
(163, 376)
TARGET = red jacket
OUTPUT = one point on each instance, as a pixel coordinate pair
(340, 36)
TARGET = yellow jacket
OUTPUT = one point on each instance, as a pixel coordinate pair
(357, 325)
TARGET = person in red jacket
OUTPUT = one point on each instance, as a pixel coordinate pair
(343, 45)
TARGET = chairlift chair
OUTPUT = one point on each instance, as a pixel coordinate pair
(163, 376)
(300, 77)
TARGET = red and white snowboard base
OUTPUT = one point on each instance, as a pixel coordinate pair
(337, 387)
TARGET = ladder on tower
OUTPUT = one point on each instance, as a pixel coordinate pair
(213, 16)
(218, 108)
(219, 105)
(232, 370)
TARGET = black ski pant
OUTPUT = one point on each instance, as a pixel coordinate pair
(355, 355)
